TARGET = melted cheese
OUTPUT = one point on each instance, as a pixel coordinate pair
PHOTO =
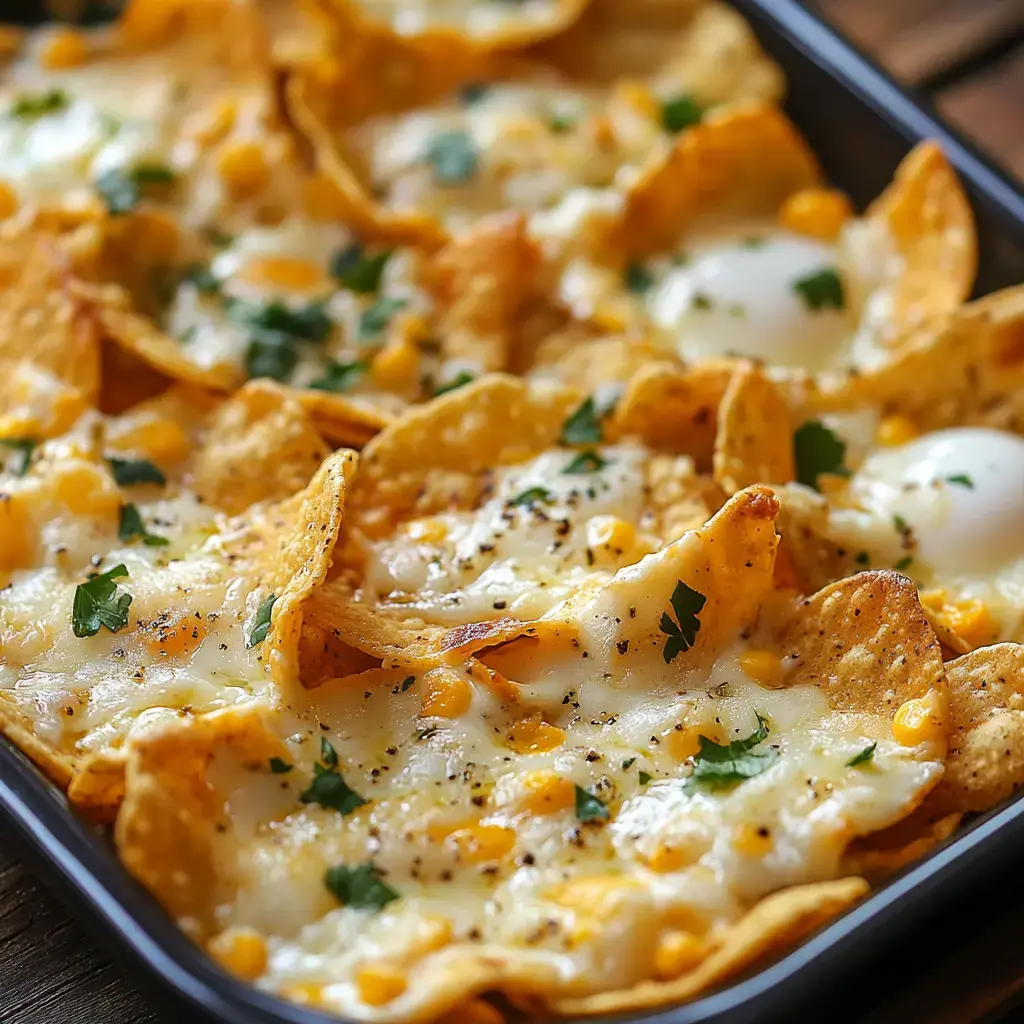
(478, 18)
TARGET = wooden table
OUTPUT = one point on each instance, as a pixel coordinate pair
(966, 55)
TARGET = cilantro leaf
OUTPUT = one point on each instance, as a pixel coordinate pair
(899, 524)
(716, 765)
(361, 887)
(356, 271)
(261, 626)
(328, 754)
(340, 377)
(585, 462)
(682, 633)
(462, 378)
(28, 108)
(407, 682)
(533, 496)
(306, 323)
(375, 318)
(97, 603)
(130, 525)
(821, 290)
(584, 425)
(637, 278)
(271, 356)
(329, 789)
(961, 480)
(279, 767)
(904, 563)
(453, 156)
(128, 472)
(643, 777)
(24, 446)
(817, 450)
(122, 188)
(863, 757)
(680, 112)
(590, 807)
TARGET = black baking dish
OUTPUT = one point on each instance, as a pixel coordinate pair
(860, 124)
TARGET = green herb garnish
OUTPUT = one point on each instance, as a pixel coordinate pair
(121, 189)
(357, 271)
(261, 626)
(328, 754)
(961, 480)
(584, 425)
(637, 278)
(453, 156)
(904, 564)
(682, 633)
(279, 767)
(97, 603)
(128, 472)
(24, 446)
(462, 378)
(130, 525)
(589, 807)
(586, 462)
(361, 888)
(376, 318)
(28, 108)
(680, 112)
(643, 777)
(329, 789)
(533, 496)
(822, 290)
(716, 765)
(340, 377)
(817, 450)
(863, 757)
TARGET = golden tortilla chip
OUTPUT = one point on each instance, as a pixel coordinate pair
(880, 854)
(864, 641)
(774, 924)
(754, 438)
(260, 446)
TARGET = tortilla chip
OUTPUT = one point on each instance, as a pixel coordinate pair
(97, 788)
(774, 924)
(260, 446)
(865, 642)
(742, 161)
(342, 419)
(577, 356)
(926, 213)
(803, 523)
(754, 438)
(985, 763)
(880, 854)
(57, 765)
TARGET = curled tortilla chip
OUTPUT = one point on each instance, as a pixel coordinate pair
(754, 437)
(865, 642)
(879, 855)
(774, 924)
(260, 446)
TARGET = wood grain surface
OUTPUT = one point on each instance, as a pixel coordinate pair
(968, 57)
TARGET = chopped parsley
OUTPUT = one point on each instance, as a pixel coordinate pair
(28, 108)
(24, 447)
(408, 682)
(361, 887)
(900, 524)
(628, 763)
(204, 280)
(682, 634)
(680, 112)
(279, 767)
(97, 603)
(340, 376)
(274, 333)
(863, 756)
(904, 563)
(270, 356)
(821, 290)
(584, 425)
(716, 765)
(585, 462)
(128, 472)
(329, 789)
(261, 626)
(702, 302)
(453, 156)
(533, 496)
(122, 188)
(637, 278)
(961, 480)
(561, 124)
(375, 318)
(817, 450)
(474, 92)
(357, 271)
(328, 754)
(589, 807)
(130, 525)
(462, 378)
(643, 777)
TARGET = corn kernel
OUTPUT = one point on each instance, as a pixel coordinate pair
(920, 719)
(85, 489)
(427, 531)
(476, 1011)
(667, 858)
(157, 439)
(896, 430)
(17, 549)
(323, 200)
(764, 667)
(66, 48)
(610, 536)
(973, 621)
(8, 201)
(678, 952)
(396, 366)
(243, 168)
(684, 743)
(379, 984)
(751, 841)
(479, 843)
(533, 735)
(816, 212)
(445, 695)
(638, 96)
(241, 951)
(548, 793)
(305, 993)
(286, 272)
(176, 639)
